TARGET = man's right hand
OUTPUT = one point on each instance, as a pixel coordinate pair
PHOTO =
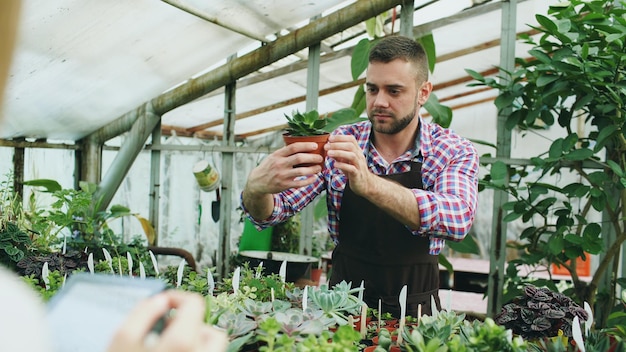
(276, 173)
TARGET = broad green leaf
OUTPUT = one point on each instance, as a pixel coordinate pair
(579, 154)
(445, 263)
(592, 230)
(576, 190)
(50, 185)
(360, 55)
(556, 149)
(604, 136)
(616, 168)
(547, 23)
(511, 217)
(571, 238)
(442, 115)
(569, 142)
(119, 210)
(475, 75)
(583, 101)
(541, 56)
(358, 103)
(556, 244)
(499, 173)
(428, 43)
(342, 117)
(467, 245)
(544, 80)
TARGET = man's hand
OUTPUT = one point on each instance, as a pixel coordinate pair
(350, 160)
(277, 173)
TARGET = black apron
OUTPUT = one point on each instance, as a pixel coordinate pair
(380, 251)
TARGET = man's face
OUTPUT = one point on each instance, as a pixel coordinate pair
(392, 95)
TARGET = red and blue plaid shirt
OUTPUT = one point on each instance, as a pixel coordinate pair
(447, 204)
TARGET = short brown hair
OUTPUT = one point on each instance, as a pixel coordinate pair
(395, 47)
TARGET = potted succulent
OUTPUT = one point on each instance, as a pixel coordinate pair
(307, 127)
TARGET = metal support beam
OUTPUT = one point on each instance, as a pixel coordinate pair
(90, 161)
(226, 185)
(499, 227)
(198, 13)
(406, 18)
(133, 144)
(312, 97)
(155, 182)
(18, 171)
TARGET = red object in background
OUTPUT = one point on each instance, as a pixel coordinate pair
(583, 267)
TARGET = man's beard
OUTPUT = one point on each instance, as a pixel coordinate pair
(396, 125)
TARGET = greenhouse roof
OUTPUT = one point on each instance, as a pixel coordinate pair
(80, 65)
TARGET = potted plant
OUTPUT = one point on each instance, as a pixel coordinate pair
(307, 127)
(540, 313)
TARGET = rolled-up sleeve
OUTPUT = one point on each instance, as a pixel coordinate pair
(448, 205)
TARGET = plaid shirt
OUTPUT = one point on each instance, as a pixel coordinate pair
(447, 203)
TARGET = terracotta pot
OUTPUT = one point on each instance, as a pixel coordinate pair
(319, 139)
(394, 338)
(316, 274)
(391, 322)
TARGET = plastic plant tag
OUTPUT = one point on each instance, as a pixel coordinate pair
(130, 264)
(142, 271)
(64, 245)
(305, 297)
(577, 334)
(90, 263)
(589, 321)
(179, 273)
(433, 307)
(363, 329)
(282, 272)
(236, 277)
(210, 281)
(402, 300)
(107, 257)
(44, 275)
(361, 291)
(154, 263)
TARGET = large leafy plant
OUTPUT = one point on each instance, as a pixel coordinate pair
(575, 72)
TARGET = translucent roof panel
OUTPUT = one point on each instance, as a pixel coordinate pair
(80, 65)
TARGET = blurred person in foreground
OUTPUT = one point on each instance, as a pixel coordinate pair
(22, 313)
(396, 186)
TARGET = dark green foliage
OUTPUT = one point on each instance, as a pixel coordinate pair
(576, 70)
(14, 244)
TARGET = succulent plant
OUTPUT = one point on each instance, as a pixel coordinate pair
(305, 124)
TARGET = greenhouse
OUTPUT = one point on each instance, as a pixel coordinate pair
(143, 149)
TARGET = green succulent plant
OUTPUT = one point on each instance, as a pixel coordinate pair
(306, 124)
